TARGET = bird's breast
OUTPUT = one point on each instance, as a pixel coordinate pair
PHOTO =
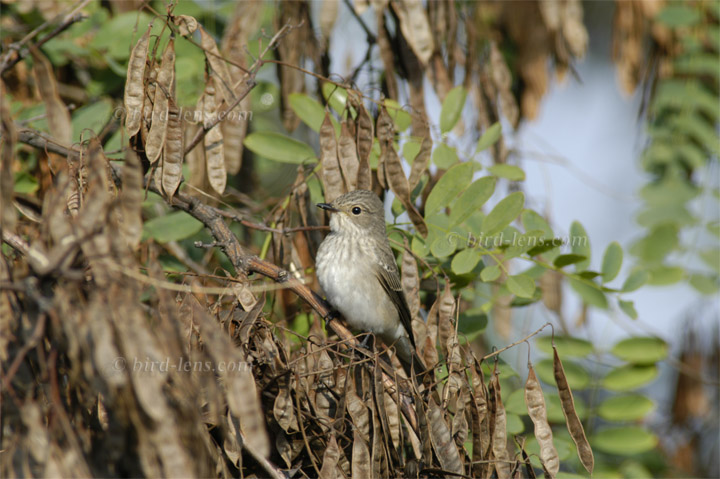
(345, 270)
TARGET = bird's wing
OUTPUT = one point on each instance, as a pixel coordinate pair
(387, 273)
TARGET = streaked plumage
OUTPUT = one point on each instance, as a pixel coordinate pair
(356, 268)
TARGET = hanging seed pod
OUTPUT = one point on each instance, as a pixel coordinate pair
(535, 401)
(364, 145)
(173, 151)
(331, 175)
(134, 87)
(571, 418)
(158, 127)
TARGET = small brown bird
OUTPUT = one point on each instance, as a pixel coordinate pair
(356, 268)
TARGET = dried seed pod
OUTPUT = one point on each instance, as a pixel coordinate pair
(442, 440)
(571, 418)
(347, 154)
(218, 66)
(330, 459)
(213, 140)
(134, 87)
(131, 198)
(446, 312)
(158, 127)
(7, 179)
(364, 129)
(535, 401)
(173, 150)
(499, 437)
(331, 176)
(58, 116)
(394, 171)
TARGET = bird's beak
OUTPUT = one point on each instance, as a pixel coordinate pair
(328, 207)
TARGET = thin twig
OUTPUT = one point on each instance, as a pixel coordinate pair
(250, 84)
(70, 19)
(495, 353)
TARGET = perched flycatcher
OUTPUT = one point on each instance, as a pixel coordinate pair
(357, 270)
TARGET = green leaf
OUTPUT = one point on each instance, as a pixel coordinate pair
(665, 275)
(591, 294)
(400, 117)
(335, 96)
(676, 15)
(454, 181)
(472, 323)
(635, 281)
(472, 199)
(419, 247)
(641, 350)
(514, 424)
(465, 261)
(624, 441)
(521, 285)
(629, 407)
(444, 156)
(174, 226)
(489, 138)
(577, 377)
(612, 261)
(25, 183)
(503, 213)
(657, 244)
(309, 110)
(568, 259)
(452, 108)
(705, 284)
(490, 273)
(566, 346)
(510, 172)
(580, 244)
(628, 307)
(411, 148)
(443, 246)
(628, 377)
(278, 147)
(711, 257)
(532, 221)
(90, 119)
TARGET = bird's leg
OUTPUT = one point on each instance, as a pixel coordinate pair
(365, 341)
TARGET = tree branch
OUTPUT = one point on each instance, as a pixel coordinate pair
(243, 261)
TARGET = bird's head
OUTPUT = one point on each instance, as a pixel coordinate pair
(359, 211)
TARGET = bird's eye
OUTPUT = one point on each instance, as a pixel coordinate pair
(356, 210)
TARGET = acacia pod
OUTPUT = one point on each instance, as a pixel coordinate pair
(134, 86)
(158, 126)
(218, 66)
(499, 436)
(131, 199)
(331, 175)
(173, 151)
(347, 154)
(442, 440)
(213, 140)
(58, 116)
(446, 311)
(535, 401)
(571, 418)
(364, 129)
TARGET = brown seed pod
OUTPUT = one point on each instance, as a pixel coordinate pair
(134, 87)
(173, 150)
(571, 418)
(331, 176)
(364, 129)
(218, 66)
(158, 127)
(347, 154)
(213, 141)
(535, 401)
(58, 116)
